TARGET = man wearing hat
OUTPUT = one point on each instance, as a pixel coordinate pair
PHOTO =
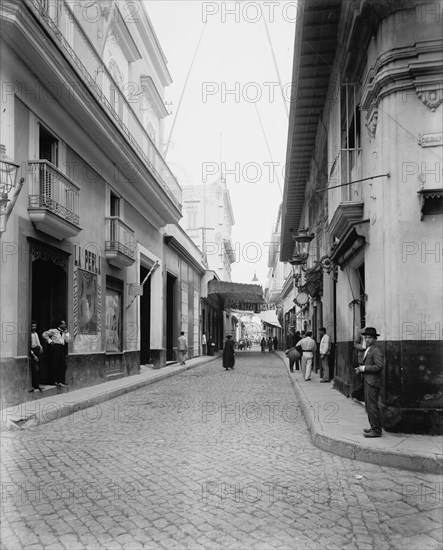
(373, 361)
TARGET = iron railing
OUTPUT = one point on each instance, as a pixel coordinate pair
(119, 236)
(53, 190)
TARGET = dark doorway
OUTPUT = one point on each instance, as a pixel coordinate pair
(362, 294)
(145, 319)
(48, 302)
(170, 316)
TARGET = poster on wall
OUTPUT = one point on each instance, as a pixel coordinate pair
(87, 302)
(113, 320)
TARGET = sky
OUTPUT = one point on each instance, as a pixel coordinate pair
(232, 85)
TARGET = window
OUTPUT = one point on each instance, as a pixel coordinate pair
(114, 205)
(48, 146)
(48, 150)
(113, 317)
(350, 140)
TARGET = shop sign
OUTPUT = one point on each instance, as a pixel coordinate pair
(87, 260)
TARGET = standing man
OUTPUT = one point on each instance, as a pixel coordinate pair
(325, 350)
(275, 342)
(182, 348)
(229, 353)
(35, 352)
(204, 345)
(372, 367)
(308, 347)
(57, 339)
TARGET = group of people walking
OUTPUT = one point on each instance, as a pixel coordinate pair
(301, 353)
(271, 344)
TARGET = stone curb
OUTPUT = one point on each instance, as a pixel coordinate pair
(65, 409)
(348, 449)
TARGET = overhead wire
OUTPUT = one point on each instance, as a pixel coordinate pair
(183, 90)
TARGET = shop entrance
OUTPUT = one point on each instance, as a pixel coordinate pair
(49, 299)
(171, 333)
(145, 319)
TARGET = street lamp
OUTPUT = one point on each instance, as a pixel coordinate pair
(8, 176)
(302, 241)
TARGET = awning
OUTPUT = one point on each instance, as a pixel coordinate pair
(270, 317)
(239, 296)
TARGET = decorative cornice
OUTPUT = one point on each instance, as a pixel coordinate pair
(402, 69)
(153, 96)
(120, 32)
(345, 216)
(181, 251)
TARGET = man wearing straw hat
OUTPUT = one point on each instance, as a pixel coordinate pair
(372, 367)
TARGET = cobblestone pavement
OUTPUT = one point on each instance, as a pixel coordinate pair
(205, 459)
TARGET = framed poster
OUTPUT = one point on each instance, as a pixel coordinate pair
(113, 319)
(87, 302)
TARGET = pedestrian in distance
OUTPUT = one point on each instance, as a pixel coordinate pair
(372, 368)
(204, 344)
(58, 339)
(275, 342)
(308, 347)
(325, 350)
(263, 344)
(270, 344)
(35, 353)
(182, 348)
(229, 353)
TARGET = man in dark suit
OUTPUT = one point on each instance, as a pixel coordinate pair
(372, 367)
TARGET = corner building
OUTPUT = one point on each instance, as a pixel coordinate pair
(82, 107)
(365, 177)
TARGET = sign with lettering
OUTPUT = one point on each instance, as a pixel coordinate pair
(86, 259)
(430, 140)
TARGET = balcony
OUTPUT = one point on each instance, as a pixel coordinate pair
(120, 245)
(69, 35)
(54, 200)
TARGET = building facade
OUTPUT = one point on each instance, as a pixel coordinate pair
(208, 219)
(365, 179)
(82, 108)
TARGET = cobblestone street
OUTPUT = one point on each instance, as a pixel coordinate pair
(205, 459)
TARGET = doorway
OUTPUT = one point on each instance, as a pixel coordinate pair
(171, 333)
(145, 319)
(48, 302)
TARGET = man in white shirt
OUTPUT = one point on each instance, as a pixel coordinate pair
(325, 350)
(308, 346)
(182, 348)
(57, 338)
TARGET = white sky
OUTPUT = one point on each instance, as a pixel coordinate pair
(234, 49)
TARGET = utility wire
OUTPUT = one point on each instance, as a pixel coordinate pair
(183, 91)
(276, 67)
(269, 150)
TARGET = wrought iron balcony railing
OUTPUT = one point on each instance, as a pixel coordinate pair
(52, 190)
(73, 40)
(120, 237)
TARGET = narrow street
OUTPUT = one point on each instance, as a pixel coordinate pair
(205, 459)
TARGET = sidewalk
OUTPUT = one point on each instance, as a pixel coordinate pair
(336, 424)
(40, 411)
